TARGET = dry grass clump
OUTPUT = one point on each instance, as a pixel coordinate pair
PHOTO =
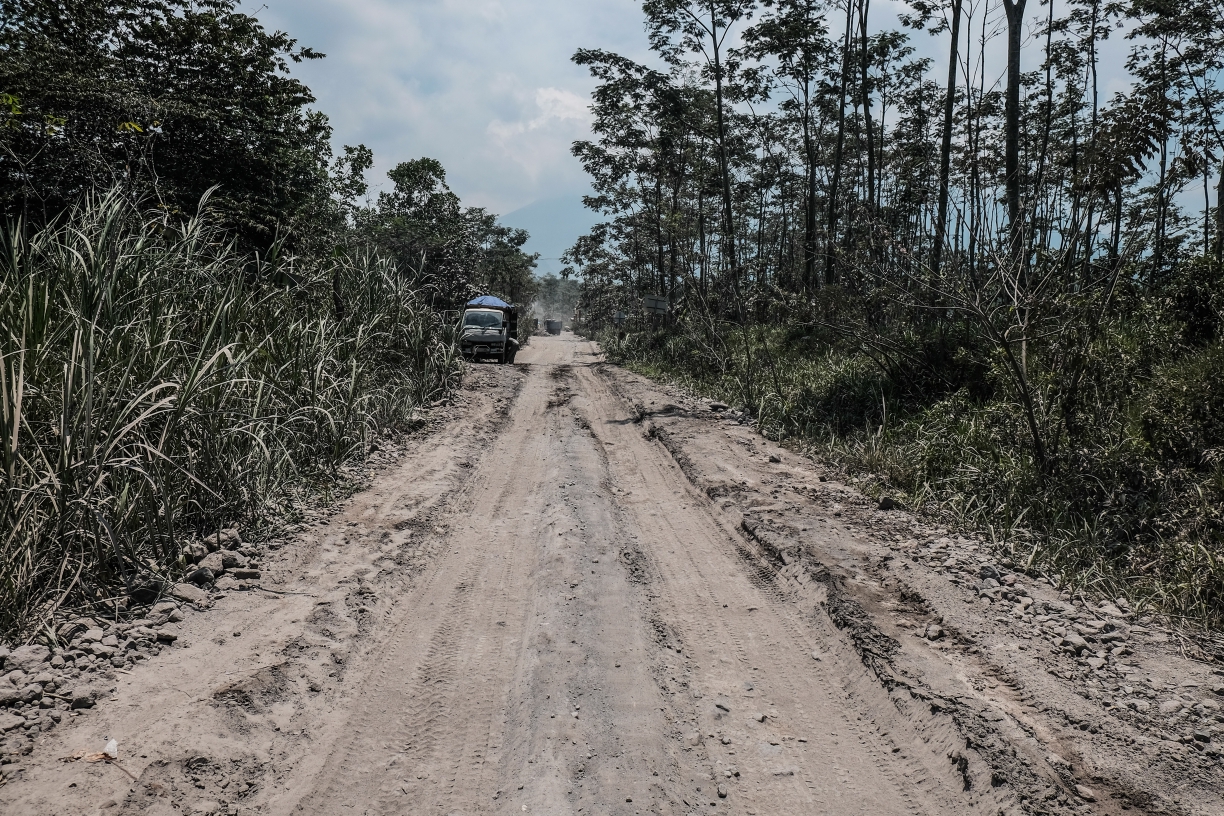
(155, 384)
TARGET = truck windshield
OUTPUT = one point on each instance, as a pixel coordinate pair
(484, 320)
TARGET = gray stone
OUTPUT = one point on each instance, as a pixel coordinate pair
(1096, 662)
(1085, 793)
(233, 560)
(28, 659)
(1171, 706)
(189, 593)
(224, 540)
(1074, 642)
(245, 574)
(10, 721)
(92, 635)
(933, 632)
(9, 695)
(214, 561)
(168, 633)
(81, 698)
(110, 640)
(988, 571)
(71, 629)
(722, 791)
(201, 576)
(164, 608)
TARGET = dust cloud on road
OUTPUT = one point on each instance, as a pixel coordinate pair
(581, 594)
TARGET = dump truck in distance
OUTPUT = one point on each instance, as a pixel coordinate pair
(488, 330)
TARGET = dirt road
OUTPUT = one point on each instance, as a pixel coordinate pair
(582, 594)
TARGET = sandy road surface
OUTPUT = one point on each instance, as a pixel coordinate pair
(575, 598)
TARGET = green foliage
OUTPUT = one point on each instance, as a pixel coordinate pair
(457, 252)
(1132, 506)
(1183, 414)
(166, 99)
(556, 297)
(155, 383)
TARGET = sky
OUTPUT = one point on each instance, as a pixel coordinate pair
(484, 86)
(487, 88)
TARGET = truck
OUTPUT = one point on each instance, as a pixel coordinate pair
(488, 330)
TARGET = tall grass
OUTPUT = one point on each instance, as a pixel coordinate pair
(155, 384)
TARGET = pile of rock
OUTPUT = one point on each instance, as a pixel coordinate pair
(223, 556)
(40, 687)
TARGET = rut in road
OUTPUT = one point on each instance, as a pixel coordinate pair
(596, 638)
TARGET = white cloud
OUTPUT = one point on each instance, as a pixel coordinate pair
(484, 86)
(558, 104)
(535, 144)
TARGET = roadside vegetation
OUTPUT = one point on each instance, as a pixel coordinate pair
(204, 313)
(990, 291)
(556, 298)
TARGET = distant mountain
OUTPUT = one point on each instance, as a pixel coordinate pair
(554, 224)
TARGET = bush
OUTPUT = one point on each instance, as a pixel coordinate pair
(1130, 498)
(1183, 414)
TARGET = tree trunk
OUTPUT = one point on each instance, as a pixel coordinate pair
(728, 212)
(1219, 232)
(864, 64)
(831, 238)
(809, 219)
(1015, 30)
(1161, 198)
(945, 149)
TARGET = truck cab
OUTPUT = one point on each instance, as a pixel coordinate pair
(487, 329)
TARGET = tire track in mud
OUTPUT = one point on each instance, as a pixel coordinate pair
(991, 754)
(426, 714)
(784, 637)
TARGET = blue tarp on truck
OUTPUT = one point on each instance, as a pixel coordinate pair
(489, 302)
